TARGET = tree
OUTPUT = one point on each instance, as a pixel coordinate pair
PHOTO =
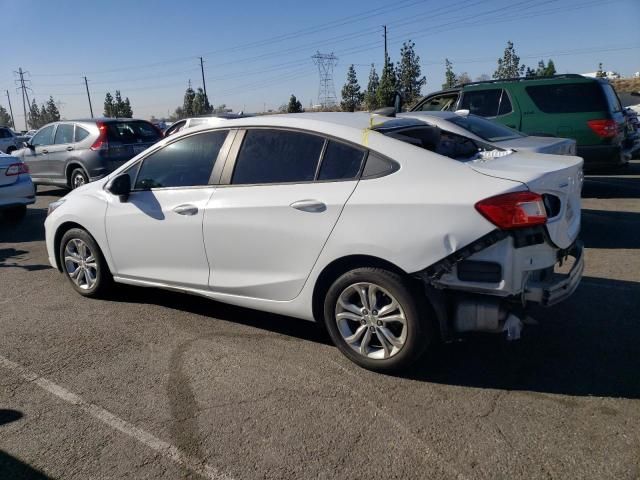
(5, 118)
(108, 105)
(387, 89)
(178, 114)
(464, 78)
(351, 95)
(127, 112)
(450, 79)
(187, 104)
(530, 72)
(294, 105)
(509, 65)
(407, 78)
(35, 119)
(119, 105)
(371, 93)
(601, 73)
(53, 114)
(551, 69)
(483, 77)
(199, 104)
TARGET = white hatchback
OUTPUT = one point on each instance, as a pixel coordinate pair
(346, 219)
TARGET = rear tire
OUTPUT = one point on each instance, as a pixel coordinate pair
(378, 319)
(78, 178)
(83, 264)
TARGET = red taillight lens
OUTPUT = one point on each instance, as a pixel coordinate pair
(514, 210)
(101, 142)
(604, 128)
(16, 169)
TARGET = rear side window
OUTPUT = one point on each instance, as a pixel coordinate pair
(568, 98)
(340, 162)
(64, 134)
(487, 103)
(277, 156)
(81, 133)
(185, 163)
(132, 132)
(439, 103)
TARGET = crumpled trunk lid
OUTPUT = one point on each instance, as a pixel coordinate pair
(557, 177)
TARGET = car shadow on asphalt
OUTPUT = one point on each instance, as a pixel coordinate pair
(582, 347)
(29, 229)
(607, 229)
(10, 466)
(7, 254)
(622, 184)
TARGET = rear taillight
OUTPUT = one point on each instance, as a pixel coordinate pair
(514, 210)
(101, 142)
(16, 169)
(604, 128)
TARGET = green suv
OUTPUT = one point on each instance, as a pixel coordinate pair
(571, 106)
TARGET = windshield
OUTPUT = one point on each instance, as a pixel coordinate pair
(486, 129)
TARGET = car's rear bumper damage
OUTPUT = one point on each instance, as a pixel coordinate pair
(487, 286)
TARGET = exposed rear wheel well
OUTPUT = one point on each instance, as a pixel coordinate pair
(62, 229)
(337, 268)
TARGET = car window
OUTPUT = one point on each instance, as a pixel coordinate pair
(436, 140)
(568, 97)
(612, 99)
(505, 104)
(43, 137)
(64, 134)
(340, 162)
(485, 129)
(135, 131)
(277, 156)
(485, 103)
(184, 163)
(439, 103)
(81, 133)
(175, 128)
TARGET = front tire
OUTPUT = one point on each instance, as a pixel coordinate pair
(78, 178)
(83, 264)
(377, 319)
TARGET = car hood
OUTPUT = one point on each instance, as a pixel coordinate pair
(555, 175)
(549, 145)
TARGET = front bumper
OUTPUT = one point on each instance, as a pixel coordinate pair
(556, 287)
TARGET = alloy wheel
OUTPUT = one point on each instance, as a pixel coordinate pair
(371, 321)
(78, 180)
(80, 264)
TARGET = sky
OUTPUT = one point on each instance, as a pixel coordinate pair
(257, 53)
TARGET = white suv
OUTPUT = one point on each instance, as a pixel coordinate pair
(343, 218)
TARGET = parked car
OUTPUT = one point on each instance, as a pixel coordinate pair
(72, 153)
(572, 106)
(9, 141)
(488, 133)
(16, 188)
(197, 121)
(341, 218)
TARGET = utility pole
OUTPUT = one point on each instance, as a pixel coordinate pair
(385, 44)
(13, 121)
(86, 84)
(23, 88)
(204, 85)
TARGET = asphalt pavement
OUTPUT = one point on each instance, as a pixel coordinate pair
(159, 385)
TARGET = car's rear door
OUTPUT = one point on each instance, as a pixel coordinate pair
(156, 235)
(264, 230)
(61, 149)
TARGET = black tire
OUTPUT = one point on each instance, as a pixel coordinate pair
(418, 319)
(96, 267)
(15, 214)
(78, 178)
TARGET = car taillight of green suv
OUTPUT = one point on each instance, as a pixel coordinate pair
(570, 106)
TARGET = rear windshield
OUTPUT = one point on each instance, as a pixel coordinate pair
(135, 131)
(568, 97)
(438, 141)
(612, 98)
(485, 129)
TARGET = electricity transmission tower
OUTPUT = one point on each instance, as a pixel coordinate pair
(327, 91)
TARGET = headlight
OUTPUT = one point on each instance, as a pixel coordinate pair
(54, 205)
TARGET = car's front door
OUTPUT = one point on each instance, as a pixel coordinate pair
(264, 230)
(492, 103)
(37, 155)
(156, 234)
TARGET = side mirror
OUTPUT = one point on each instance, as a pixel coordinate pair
(120, 186)
(27, 145)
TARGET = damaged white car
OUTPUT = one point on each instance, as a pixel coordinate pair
(345, 219)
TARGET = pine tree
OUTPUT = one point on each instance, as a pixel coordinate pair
(450, 79)
(509, 65)
(387, 89)
(530, 72)
(198, 105)
(351, 95)
(118, 105)
(53, 114)
(108, 105)
(371, 94)
(408, 80)
(35, 120)
(551, 69)
(294, 105)
(5, 118)
(127, 111)
(187, 105)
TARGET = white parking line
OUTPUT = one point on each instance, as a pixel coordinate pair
(163, 448)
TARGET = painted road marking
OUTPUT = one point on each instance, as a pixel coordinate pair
(163, 448)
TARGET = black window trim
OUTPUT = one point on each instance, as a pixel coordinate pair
(216, 172)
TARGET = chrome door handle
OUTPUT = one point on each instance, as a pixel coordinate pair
(313, 206)
(186, 210)
(45, 151)
(69, 149)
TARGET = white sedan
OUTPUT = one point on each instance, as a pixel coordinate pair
(340, 218)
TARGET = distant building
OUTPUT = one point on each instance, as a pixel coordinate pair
(608, 75)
